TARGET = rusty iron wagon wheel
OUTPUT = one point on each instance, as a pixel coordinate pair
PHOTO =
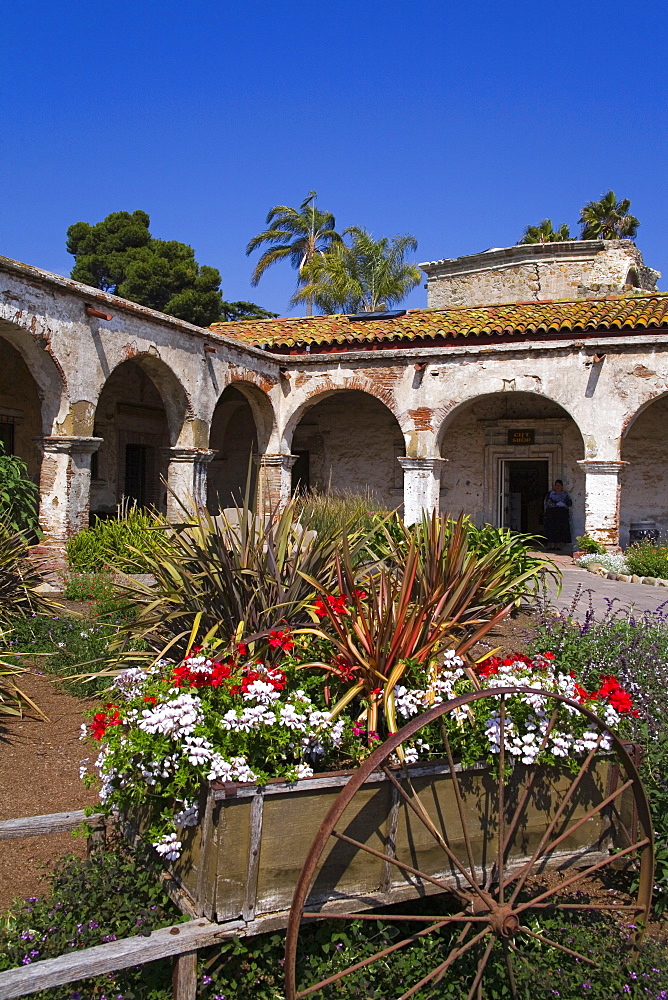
(473, 857)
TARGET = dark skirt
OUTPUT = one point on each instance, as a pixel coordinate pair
(557, 525)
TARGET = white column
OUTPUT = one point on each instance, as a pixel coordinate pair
(602, 490)
(274, 480)
(186, 479)
(64, 486)
(422, 486)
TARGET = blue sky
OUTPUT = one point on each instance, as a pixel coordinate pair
(460, 123)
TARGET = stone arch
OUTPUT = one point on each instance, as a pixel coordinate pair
(632, 278)
(502, 452)
(644, 450)
(142, 411)
(347, 439)
(45, 374)
(242, 426)
(326, 387)
(175, 399)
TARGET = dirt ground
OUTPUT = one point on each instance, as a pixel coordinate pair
(39, 773)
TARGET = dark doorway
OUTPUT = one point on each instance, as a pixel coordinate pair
(141, 481)
(7, 435)
(525, 485)
(301, 473)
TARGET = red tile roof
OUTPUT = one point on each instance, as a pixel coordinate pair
(618, 313)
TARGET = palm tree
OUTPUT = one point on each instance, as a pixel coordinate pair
(366, 275)
(544, 233)
(608, 219)
(301, 235)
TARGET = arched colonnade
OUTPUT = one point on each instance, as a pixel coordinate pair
(491, 454)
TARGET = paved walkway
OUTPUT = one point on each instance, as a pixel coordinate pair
(600, 592)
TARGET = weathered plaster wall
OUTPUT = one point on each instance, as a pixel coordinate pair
(541, 271)
(644, 481)
(130, 411)
(475, 440)
(20, 404)
(353, 442)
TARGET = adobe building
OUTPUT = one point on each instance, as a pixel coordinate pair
(472, 404)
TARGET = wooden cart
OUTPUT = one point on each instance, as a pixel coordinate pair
(497, 845)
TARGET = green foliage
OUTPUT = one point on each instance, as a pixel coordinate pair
(119, 255)
(19, 496)
(296, 235)
(635, 649)
(233, 311)
(608, 219)
(233, 576)
(366, 275)
(115, 894)
(66, 644)
(338, 512)
(587, 544)
(240, 969)
(18, 577)
(122, 543)
(648, 558)
(544, 233)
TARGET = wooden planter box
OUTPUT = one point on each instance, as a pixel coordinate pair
(243, 861)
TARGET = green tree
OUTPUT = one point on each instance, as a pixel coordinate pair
(119, 255)
(300, 235)
(608, 219)
(544, 233)
(244, 310)
(365, 275)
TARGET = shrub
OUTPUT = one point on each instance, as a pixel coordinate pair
(330, 513)
(19, 496)
(233, 576)
(18, 578)
(122, 543)
(635, 649)
(114, 894)
(647, 558)
(587, 544)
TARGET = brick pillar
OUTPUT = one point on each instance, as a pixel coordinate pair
(274, 480)
(64, 487)
(602, 491)
(186, 479)
(422, 486)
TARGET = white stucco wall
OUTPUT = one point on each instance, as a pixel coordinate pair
(476, 438)
(644, 481)
(353, 442)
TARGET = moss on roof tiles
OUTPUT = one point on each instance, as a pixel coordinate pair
(615, 312)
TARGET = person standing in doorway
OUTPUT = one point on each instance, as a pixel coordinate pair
(557, 516)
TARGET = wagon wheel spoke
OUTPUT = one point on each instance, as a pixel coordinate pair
(521, 805)
(509, 969)
(579, 876)
(458, 798)
(398, 917)
(560, 947)
(399, 864)
(413, 802)
(502, 795)
(477, 981)
(368, 960)
(437, 974)
(523, 873)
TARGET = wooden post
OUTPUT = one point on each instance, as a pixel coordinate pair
(97, 839)
(184, 977)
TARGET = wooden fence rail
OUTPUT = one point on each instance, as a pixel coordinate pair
(180, 941)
